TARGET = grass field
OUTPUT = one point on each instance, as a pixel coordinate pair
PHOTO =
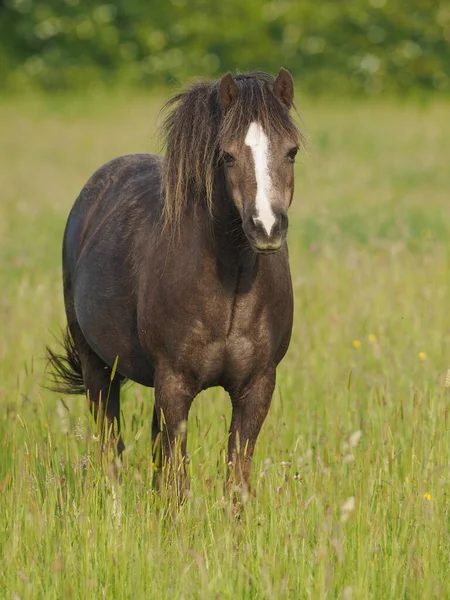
(352, 469)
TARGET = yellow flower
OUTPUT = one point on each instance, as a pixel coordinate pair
(372, 338)
(427, 496)
(356, 343)
(422, 356)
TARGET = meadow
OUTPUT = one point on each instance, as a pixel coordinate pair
(351, 475)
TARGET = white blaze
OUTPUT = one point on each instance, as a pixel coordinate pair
(258, 142)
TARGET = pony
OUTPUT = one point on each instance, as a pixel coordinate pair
(176, 271)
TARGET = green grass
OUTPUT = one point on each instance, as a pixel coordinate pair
(370, 254)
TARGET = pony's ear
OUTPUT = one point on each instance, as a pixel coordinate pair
(228, 91)
(284, 87)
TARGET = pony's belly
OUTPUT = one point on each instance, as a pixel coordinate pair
(129, 362)
(113, 339)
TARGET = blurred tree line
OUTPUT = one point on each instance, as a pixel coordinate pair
(368, 45)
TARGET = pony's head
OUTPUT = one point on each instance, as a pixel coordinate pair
(239, 127)
(258, 145)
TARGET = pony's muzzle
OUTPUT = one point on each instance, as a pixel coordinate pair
(262, 240)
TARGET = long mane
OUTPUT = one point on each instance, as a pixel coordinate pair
(195, 128)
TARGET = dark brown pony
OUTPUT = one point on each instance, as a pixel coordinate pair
(179, 266)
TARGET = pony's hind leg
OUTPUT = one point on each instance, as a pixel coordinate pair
(102, 388)
(103, 393)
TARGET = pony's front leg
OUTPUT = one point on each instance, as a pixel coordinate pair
(250, 408)
(173, 399)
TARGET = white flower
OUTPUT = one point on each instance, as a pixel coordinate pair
(347, 508)
(354, 438)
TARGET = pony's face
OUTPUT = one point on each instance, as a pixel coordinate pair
(259, 172)
(260, 181)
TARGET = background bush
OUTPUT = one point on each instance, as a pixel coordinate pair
(351, 45)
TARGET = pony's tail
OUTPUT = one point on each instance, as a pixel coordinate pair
(66, 376)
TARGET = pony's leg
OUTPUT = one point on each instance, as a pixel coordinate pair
(157, 451)
(173, 399)
(103, 394)
(250, 408)
(102, 391)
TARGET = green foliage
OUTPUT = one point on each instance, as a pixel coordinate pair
(351, 45)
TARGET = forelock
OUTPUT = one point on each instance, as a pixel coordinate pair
(256, 102)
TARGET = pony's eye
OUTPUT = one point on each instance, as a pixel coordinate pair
(292, 154)
(228, 159)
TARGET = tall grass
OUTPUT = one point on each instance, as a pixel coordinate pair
(351, 473)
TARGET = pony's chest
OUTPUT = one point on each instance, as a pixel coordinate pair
(220, 332)
(229, 347)
(217, 360)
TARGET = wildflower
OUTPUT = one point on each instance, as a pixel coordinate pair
(422, 356)
(356, 343)
(347, 508)
(348, 458)
(347, 593)
(372, 338)
(353, 440)
(427, 496)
